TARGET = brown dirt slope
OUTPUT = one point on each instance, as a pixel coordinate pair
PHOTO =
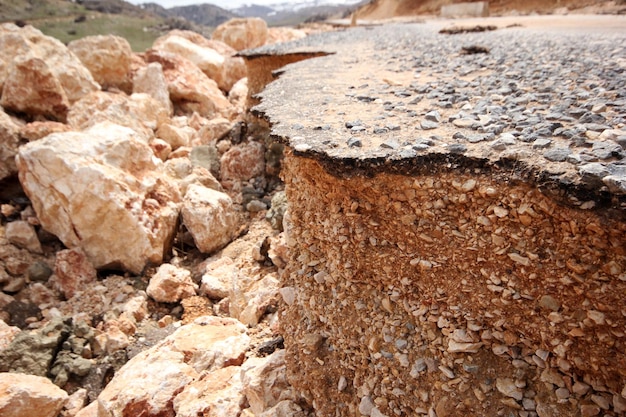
(382, 9)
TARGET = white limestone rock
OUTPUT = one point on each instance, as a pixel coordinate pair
(102, 190)
(139, 112)
(149, 383)
(243, 33)
(151, 80)
(171, 284)
(23, 235)
(217, 394)
(29, 395)
(73, 76)
(210, 217)
(107, 57)
(265, 383)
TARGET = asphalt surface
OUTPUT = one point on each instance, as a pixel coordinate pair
(545, 103)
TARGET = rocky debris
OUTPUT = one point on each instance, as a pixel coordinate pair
(210, 217)
(23, 235)
(139, 112)
(115, 174)
(251, 297)
(72, 272)
(219, 393)
(243, 162)
(225, 70)
(242, 34)
(108, 58)
(171, 284)
(29, 395)
(264, 382)
(150, 382)
(31, 87)
(40, 129)
(7, 334)
(105, 172)
(186, 172)
(278, 208)
(34, 352)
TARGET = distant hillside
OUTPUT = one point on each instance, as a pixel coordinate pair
(203, 14)
(253, 10)
(293, 13)
(68, 20)
(11, 10)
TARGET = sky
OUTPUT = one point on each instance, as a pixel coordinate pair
(226, 4)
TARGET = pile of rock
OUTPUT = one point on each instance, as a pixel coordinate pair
(144, 164)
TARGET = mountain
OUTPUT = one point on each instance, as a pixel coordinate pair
(293, 13)
(68, 20)
(203, 14)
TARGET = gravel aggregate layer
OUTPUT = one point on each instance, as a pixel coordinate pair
(549, 105)
(456, 221)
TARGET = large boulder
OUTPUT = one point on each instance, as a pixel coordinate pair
(9, 142)
(139, 111)
(15, 42)
(217, 394)
(108, 58)
(151, 80)
(150, 382)
(210, 217)
(242, 34)
(102, 190)
(190, 89)
(29, 395)
(31, 87)
(225, 70)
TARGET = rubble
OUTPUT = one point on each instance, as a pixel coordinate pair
(153, 263)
